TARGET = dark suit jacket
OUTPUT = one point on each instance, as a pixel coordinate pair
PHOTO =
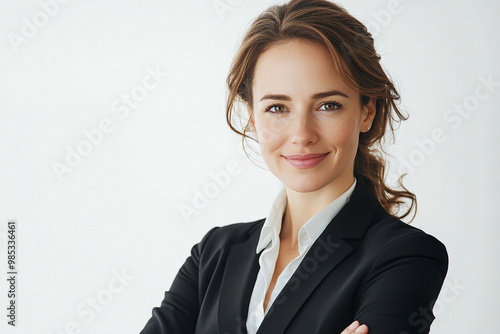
(367, 265)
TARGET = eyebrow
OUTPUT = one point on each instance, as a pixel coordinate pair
(316, 96)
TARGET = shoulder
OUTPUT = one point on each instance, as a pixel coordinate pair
(237, 232)
(225, 236)
(393, 239)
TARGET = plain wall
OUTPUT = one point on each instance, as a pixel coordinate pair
(100, 241)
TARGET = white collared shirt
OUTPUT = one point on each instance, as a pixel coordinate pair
(269, 241)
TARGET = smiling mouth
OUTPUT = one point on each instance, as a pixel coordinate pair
(305, 160)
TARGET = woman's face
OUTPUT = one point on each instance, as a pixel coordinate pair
(306, 118)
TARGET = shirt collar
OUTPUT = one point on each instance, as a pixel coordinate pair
(311, 230)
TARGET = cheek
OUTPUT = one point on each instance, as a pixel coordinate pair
(344, 137)
(270, 135)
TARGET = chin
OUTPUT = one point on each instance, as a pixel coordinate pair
(304, 186)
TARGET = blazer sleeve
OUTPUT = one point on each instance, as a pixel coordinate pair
(179, 309)
(403, 285)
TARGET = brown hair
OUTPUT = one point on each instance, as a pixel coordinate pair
(352, 49)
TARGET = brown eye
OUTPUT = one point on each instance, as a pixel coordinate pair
(330, 106)
(276, 109)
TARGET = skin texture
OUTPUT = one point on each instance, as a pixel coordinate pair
(301, 105)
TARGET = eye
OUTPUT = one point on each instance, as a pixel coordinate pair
(330, 106)
(276, 109)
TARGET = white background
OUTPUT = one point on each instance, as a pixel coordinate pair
(119, 209)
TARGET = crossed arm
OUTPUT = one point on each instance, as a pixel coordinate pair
(403, 282)
(406, 276)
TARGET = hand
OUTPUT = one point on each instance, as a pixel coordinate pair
(355, 328)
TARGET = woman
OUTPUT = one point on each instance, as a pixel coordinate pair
(331, 255)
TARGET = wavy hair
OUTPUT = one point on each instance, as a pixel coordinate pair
(352, 49)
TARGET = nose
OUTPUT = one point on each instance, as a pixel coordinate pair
(303, 129)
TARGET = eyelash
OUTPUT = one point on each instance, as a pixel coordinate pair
(336, 105)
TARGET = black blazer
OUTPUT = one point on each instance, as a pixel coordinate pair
(367, 265)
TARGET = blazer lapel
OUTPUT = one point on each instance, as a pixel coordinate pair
(241, 271)
(324, 255)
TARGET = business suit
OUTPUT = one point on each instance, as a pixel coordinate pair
(366, 266)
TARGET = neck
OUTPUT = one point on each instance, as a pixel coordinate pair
(302, 206)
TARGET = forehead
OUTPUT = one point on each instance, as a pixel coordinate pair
(297, 68)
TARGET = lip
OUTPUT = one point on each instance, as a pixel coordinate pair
(305, 160)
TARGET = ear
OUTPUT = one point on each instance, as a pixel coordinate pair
(369, 112)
